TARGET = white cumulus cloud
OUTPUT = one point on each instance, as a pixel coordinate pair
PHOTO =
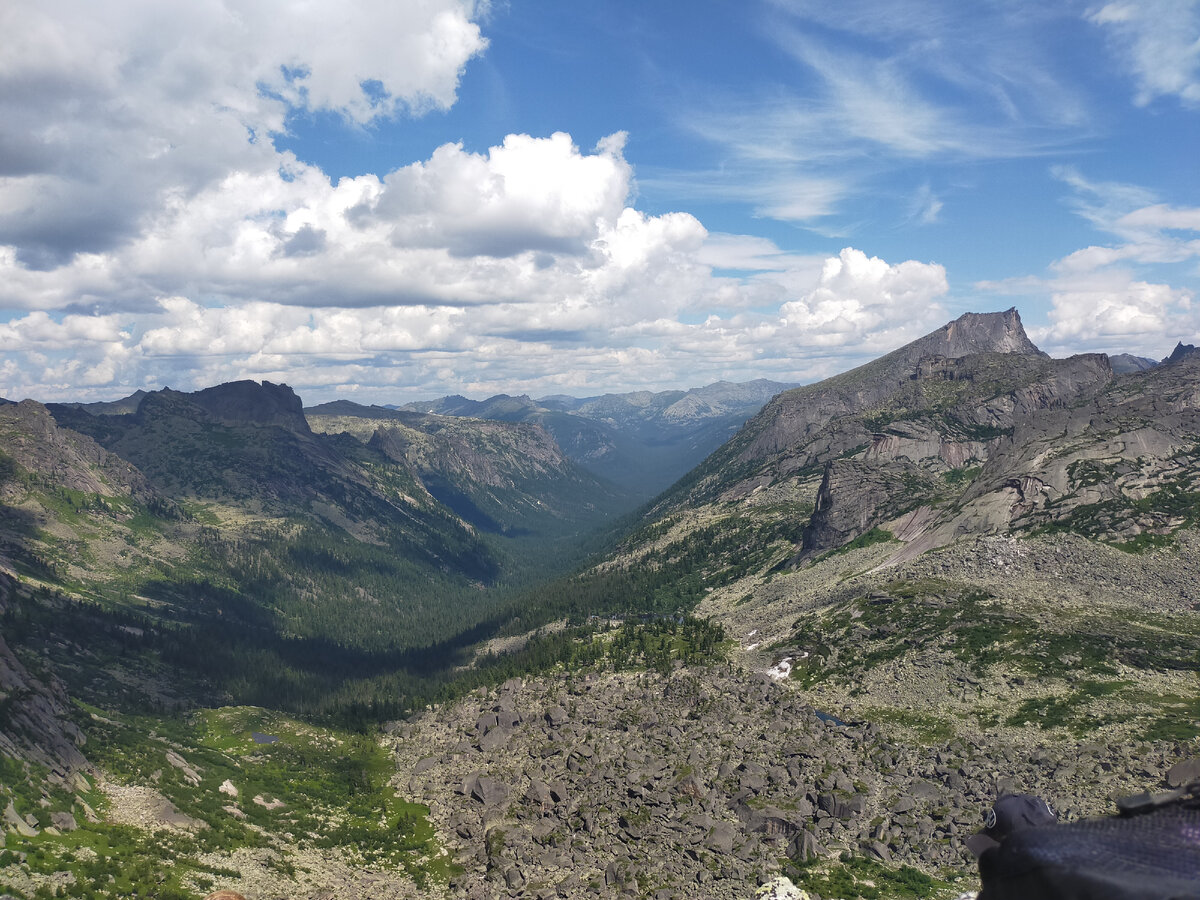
(152, 231)
(624, 316)
(526, 194)
(1113, 311)
(858, 295)
(110, 112)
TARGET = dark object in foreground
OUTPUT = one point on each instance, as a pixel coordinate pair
(1151, 851)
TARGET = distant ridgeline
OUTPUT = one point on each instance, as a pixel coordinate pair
(642, 441)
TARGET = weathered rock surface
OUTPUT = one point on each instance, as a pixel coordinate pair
(932, 445)
(1120, 464)
(787, 433)
(955, 414)
(248, 402)
(696, 784)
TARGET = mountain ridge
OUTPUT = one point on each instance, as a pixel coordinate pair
(641, 440)
(797, 429)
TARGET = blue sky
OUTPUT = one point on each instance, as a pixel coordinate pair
(397, 200)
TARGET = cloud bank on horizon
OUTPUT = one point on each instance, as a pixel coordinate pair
(407, 199)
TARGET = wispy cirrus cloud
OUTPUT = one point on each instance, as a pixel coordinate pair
(1158, 42)
(881, 87)
(1148, 231)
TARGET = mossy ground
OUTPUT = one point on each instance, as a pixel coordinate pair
(853, 877)
(321, 790)
(1074, 672)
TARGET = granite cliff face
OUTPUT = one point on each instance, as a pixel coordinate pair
(238, 443)
(807, 426)
(795, 415)
(926, 446)
(248, 402)
(1074, 449)
(977, 333)
(968, 430)
(1121, 466)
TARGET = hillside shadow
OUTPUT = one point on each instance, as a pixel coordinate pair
(19, 531)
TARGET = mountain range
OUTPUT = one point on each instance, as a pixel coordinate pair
(848, 611)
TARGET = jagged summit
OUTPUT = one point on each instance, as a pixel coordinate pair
(790, 433)
(970, 333)
(1000, 332)
(1181, 351)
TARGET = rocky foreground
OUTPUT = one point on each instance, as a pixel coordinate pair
(701, 784)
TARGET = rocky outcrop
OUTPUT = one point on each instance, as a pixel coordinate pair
(802, 429)
(794, 415)
(251, 403)
(922, 446)
(1181, 350)
(1124, 363)
(1124, 463)
(978, 333)
(697, 784)
(856, 495)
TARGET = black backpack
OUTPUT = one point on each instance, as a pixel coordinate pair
(1151, 851)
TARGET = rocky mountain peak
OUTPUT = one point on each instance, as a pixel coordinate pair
(1124, 363)
(251, 403)
(998, 332)
(1181, 351)
(789, 433)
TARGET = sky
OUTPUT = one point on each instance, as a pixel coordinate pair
(390, 200)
